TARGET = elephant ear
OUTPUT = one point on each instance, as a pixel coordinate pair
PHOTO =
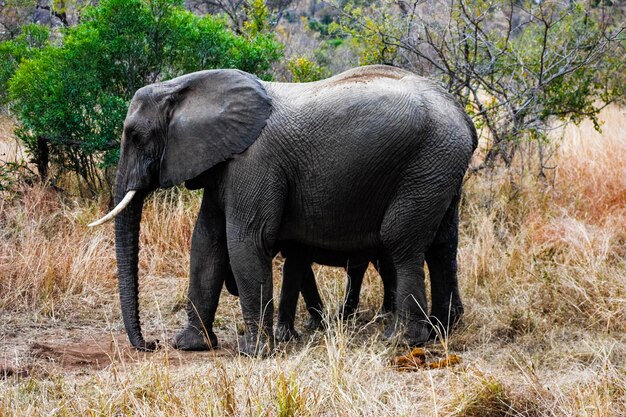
(213, 116)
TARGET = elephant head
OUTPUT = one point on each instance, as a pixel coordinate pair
(174, 131)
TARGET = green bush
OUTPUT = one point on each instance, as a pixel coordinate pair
(304, 70)
(72, 97)
(12, 52)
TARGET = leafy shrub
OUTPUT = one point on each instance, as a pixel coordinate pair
(304, 70)
(12, 52)
(71, 98)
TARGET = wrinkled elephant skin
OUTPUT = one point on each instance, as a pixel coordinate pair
(371, 159)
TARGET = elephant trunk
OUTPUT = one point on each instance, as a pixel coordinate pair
(127, 253)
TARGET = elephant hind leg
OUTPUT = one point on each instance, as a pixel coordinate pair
(441, 259)
(408, 230)
(313, 301)
(407, 253)
(411, 301)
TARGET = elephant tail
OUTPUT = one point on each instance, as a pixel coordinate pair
(472, 129)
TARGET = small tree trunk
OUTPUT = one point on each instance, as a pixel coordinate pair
(42, 158)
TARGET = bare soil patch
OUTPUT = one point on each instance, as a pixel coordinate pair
(95, 354)
(77, 349)
(102, 351)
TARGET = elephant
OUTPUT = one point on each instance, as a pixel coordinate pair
(371, 158)
(298, 277)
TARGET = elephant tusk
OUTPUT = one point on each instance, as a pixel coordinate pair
(121, 206)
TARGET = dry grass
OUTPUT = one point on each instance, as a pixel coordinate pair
(9, 148)
(543, 275)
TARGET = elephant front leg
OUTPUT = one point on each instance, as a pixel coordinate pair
(252, 267)
(209, 268)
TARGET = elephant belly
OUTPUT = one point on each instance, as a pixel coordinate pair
(339, 200)
(330, 234)
(337, 215)
(291, 249)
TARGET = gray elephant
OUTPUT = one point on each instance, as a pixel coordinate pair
(371, 158)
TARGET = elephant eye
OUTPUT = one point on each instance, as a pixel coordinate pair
(135, 140)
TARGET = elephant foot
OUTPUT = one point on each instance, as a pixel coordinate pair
(285, 332)
(389, 333)
(413, 334)
(444, 321)
(392, 329)
(346, 312)
(255, 345)
(383, 316)
(148, 346)
(192, 339)
(314, 322)
(342, 316)
(417, 333)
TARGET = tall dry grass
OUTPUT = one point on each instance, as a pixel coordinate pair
(51, 260)
(543, 275)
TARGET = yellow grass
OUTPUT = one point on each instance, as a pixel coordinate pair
(542, 268)
(9, 148)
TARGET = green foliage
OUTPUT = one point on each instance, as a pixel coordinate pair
(257, 15)
(317, 26)
(376, 29)
(566, 90)
(75, 94)
(12, 52)
(321, 61)
(304, 70)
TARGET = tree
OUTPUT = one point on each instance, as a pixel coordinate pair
(244, 12)
(24, 46)
(517, 66)
(71, 99)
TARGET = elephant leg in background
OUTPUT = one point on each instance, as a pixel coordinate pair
(353, 289)
(441, 259)
(312, 300)
(297, 274)
(209, 267)
(388, 275)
